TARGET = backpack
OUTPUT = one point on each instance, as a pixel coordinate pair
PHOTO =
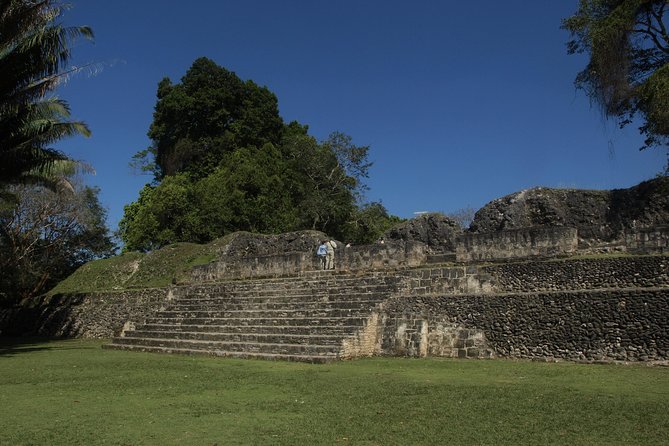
(322, 251)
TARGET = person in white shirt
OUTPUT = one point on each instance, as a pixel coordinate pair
(329, 258)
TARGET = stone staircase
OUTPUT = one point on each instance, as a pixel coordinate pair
(307, 318)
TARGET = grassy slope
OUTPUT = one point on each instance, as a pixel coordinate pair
(74, 393)
(137, 270)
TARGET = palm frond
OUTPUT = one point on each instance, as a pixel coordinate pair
(34, 50)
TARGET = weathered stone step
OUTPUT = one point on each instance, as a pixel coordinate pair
(316, 359)
(219, 304)
(264, 338)
(251, 347)
(288, 297)
(274, 321)
(445, 257)
(326, 276)
(310, 313)
(335, 330)
(340, 277)
(305, 289)
(305, 318)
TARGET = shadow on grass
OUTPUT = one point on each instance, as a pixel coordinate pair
(11, 346)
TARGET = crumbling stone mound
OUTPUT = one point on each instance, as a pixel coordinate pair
(437, 231)
(597, 214)
(243, 244)
(542, 207)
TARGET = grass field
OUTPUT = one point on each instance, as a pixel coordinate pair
(74, 393)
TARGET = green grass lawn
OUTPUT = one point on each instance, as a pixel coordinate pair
(75, 393)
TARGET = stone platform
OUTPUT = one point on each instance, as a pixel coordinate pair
(614, 309)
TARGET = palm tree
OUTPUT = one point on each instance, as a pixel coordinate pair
(34, 51)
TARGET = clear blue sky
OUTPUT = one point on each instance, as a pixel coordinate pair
(460, 102)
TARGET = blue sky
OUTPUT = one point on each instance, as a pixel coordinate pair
(460, 102)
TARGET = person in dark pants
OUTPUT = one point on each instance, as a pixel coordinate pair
(322, 253)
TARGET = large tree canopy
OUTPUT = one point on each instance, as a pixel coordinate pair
(210, 113)
(628, 71)
(223, 161)
(34, 50)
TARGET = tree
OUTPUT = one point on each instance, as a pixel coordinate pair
(321, 190)
(368, 223)
(247, 193)
(47, 235)
(210, 113)
(224, 161)
(628, 71)
(163, 214)
(352, 163)
(463, 216)
(34, 50)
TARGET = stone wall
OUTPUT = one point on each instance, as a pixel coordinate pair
(422, 335)
(574, 309)
(367, 341)
(389, 255)
(648, 240)
(94, 315)
(579, 274)
(627, 325)
(517, 243)
(533, 276)
(445, 280)
(256, 266)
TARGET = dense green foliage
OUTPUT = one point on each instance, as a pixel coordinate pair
(47, 235)
(223, 160)
(368, 223)
(72, 393)
(211, 113)
(628, 71)
(34, 50)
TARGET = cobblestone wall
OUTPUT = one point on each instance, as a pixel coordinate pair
(625, 325)
(531, 276)
(94, 315)
(579, 274)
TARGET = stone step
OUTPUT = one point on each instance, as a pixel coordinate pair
(309, 313)
(251, 347)
(302, 281)
(305, 295)
(316, 359)
(313, 289)
(445, 257)
(275, 321)
(322, 276)
(264, 338)
(303, 319)
(259, 304)
(328, 277)
(334, 330)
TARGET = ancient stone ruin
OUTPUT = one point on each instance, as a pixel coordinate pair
(542, 274)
